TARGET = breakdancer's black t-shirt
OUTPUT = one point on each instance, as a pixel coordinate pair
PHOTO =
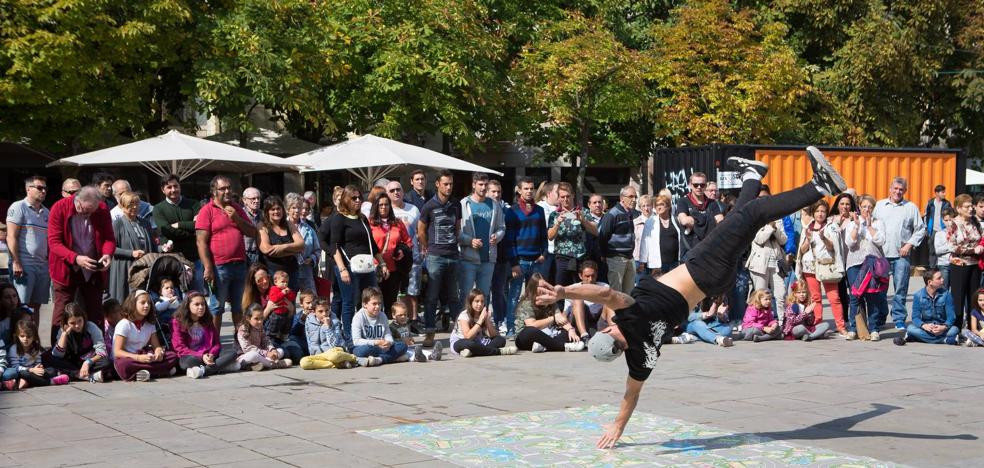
(657, 309)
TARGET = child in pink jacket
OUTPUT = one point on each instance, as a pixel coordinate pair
(759, 323)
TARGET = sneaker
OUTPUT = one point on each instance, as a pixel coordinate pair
(950, 340)
(688, 338)
(899, 341)
(373, 361)
(143, 375)
(724, 341)
(418, 354)
(196, 372)
(745, 165)
(429, 340)
(172, 372)
(851, 336)
(538, 348)
(677, 340)
(257, 367)
(466, 353)
(507, 350)
(97, 377)
(875, 336)
(825, 177)
(510, 335)
(59, 380)
(900, 326)
(283, 364)
(438, 352)
(807, 337)
(574, 346)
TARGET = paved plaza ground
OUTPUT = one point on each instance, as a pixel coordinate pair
(824, 403)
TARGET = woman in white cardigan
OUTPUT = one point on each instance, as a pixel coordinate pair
(663, 255)
(764, 262)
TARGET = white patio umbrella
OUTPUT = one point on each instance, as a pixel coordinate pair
(975, 177)
(180, 154)
(370, 158)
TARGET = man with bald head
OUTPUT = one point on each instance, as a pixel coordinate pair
(80, 247)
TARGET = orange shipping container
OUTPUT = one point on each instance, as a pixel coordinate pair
(870, 170)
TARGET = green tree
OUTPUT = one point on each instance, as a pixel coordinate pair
(725, 76)
(575, 84)
(82, 74)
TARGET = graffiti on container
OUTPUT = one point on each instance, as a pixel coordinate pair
(677, 182)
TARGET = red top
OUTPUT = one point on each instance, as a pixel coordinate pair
(280, 297)
(225, 239)
(61, 257)
(397, 235)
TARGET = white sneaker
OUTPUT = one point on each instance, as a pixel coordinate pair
(574, 347)
(506, 350)
(677, 340)
(143, 375)
(98, 377)
(724, 341)
(373, 361)
(875, 336)
(257, 367)
(196, 372)
(538, 348)
(466, 353)
(688, 338)
(851, 336)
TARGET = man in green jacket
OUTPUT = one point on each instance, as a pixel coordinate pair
(175, 217)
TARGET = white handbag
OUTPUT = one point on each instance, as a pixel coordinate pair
(362, 263)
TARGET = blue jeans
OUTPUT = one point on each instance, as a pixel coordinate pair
(230, 280)
(298, 335)
(945, 271)
(392, 354)
(901, 268)
(442, 284)
(739, 296)
(292, 349)
(544, 268)
(10, 373)
(500, 284)
(918, 334)
(875, 304)
(477, 274)
(707, 331)
(527, 268)
(351, 294)
(198, 278)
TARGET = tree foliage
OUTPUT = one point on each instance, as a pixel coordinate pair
(80, 74)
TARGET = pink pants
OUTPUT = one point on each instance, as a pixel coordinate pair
(832, 296)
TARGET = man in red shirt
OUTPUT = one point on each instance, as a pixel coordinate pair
(80, 246)
(220, 227)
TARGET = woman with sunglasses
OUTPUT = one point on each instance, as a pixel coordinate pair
(351, 237)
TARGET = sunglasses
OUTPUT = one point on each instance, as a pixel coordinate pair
(357, 197)
(70, 192)
(699, 185)
(395, 190)
(40, 188)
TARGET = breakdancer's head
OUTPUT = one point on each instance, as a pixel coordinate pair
(607, 344)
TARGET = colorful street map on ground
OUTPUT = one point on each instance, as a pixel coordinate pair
(567, 437)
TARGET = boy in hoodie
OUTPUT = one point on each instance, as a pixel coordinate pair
(325, 340)
(372, 341)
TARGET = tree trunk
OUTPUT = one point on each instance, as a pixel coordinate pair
(582, 162)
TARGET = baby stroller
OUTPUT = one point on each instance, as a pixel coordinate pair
(147, 274)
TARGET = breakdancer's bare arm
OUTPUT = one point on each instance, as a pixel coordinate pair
(615, 300)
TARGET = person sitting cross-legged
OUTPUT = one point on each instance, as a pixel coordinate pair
(932, 314)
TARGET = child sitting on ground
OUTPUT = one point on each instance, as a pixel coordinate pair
(80, 350)
(474, 333)
(25, 356)
(137, 350)
(253, 346)
(401, 330)
(373, 343)
(759, 323)
(711, 324)
(306, 299)
(975, 323)
(800, 317)
(196, 340)
(325, 340)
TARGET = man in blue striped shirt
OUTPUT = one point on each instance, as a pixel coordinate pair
(526, 238)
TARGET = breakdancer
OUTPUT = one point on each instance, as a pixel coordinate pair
(709, 269)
